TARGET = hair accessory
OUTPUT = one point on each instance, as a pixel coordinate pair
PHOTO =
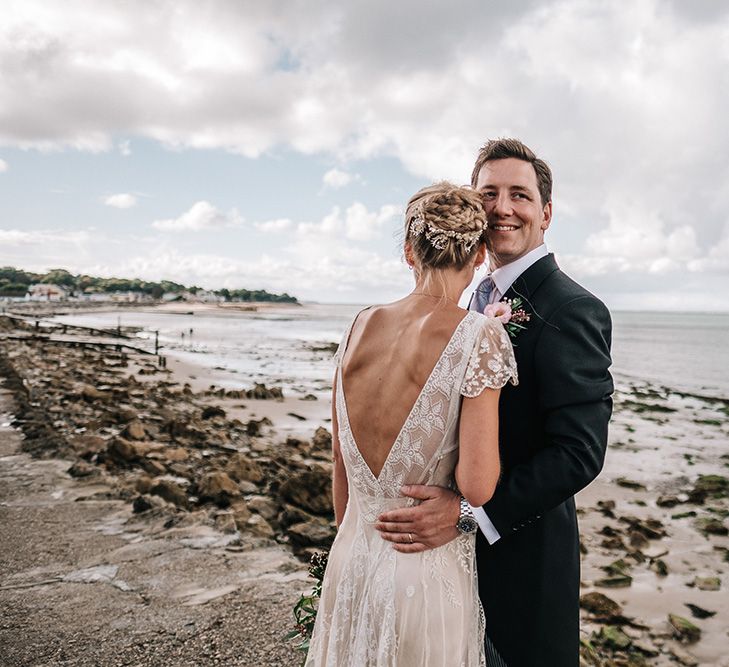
(439, 237)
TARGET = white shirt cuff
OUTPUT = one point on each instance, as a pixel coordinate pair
(484, 523)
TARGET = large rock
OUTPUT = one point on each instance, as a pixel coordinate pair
(241, 467)
(264, 506)
(211, 411)
(262, 392)
(255, 426)
(311, 490)
(122, 451)
(313, 533)
(171, 492)
(134, 431)
(218, 487)
(241, 514)
(259, 526)
(176, 454)
(86, 445)
(92, 394)
(322, 440)
(82, 469)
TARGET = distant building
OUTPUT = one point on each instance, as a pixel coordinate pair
(128, 297)
(205, 296)
(46, 292)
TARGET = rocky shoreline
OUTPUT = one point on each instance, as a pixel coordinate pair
(194, 466)
(166, 447)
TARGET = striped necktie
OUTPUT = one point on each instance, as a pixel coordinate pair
(482, 295)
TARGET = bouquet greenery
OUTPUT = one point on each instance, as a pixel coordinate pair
(305, 609)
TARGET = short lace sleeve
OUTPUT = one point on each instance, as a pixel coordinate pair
(491, 364)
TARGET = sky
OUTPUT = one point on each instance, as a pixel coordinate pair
(274, 145)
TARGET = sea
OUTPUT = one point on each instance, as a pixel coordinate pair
(292, 346)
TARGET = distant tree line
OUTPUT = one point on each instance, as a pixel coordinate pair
(15, 282)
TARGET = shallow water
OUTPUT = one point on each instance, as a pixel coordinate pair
(685, 352)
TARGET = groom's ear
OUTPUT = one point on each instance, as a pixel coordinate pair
(546, 216)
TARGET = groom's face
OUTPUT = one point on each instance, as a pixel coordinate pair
(514, 211)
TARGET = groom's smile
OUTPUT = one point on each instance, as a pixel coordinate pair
(514, 211)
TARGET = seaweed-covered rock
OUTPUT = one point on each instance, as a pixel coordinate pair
(615, 581)
(716, 486)
(600, 605)
(707, 583)
(613, 637)
(684, 630)
(711, 526)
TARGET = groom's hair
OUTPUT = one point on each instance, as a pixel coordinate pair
(501, 149)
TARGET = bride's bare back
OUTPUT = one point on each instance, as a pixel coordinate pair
(391, 353)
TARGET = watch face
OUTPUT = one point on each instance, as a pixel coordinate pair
(467, 525)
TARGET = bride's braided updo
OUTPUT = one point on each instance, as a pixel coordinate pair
(444, 224)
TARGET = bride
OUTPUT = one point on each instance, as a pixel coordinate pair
(415, 401)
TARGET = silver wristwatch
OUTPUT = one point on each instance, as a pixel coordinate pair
(466, 521)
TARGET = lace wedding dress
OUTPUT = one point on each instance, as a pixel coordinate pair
(382, 608)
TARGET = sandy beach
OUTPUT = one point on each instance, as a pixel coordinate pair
(156, 516)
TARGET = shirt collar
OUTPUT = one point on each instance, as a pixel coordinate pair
(505, 276)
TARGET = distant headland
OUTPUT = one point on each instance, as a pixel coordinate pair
(61, 285)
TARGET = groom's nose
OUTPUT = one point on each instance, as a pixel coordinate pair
(502, 207)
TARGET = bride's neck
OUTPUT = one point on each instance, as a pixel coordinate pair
(445, 284)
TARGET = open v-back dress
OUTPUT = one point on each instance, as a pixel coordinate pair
(382, 608)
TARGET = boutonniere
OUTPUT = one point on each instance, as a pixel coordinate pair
(511, 314)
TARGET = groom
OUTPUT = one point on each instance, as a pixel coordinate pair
(552, 428)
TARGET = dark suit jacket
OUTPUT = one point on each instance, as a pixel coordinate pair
(552, 440)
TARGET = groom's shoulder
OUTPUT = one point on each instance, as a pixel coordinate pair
(566, 293)
(566, 286)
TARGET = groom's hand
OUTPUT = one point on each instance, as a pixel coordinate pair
(430, 524)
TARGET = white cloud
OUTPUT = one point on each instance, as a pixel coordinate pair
(125, 148)
(202, 215)
(336, 178)
(122, 200)
(621, 99)
(363, 225)
(356, 224)
(3, 166)
(18, 237)
(274, 226)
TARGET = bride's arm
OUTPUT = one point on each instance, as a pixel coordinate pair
(340, 489)
(478, 468)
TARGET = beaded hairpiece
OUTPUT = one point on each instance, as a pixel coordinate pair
(439, 237)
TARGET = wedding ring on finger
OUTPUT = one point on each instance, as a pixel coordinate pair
(410, 535)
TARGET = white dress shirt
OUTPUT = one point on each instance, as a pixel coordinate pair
(504, 278)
